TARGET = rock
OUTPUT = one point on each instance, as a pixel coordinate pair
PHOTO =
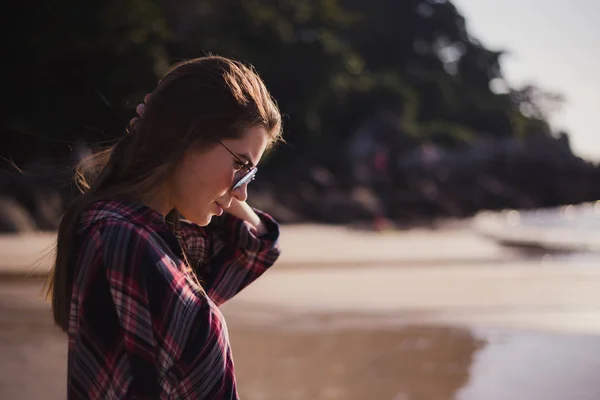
(409, 184)
(14, 218)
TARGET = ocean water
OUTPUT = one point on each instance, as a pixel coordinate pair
(569, 229)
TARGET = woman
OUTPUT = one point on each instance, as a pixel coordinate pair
(136, 288)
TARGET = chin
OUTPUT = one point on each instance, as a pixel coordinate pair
(201, 220)
(204, 221)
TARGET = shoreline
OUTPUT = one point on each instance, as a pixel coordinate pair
(30, 255)
(446, 276)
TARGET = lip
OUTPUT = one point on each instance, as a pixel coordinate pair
(219, 209)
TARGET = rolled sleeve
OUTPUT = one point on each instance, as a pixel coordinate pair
(233, 254)
(233, 231)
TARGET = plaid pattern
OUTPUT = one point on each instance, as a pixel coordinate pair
(139, 326)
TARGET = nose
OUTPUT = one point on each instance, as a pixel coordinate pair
(240, 193)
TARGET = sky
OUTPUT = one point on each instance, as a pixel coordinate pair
(554, 44)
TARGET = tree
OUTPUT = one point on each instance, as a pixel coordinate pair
(78, 69)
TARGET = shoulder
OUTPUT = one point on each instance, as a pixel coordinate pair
(112, 212)
(116, 222)
(127, 235)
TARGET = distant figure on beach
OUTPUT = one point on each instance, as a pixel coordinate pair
(162, 236)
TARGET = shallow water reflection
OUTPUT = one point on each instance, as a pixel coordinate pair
(416, 363)
(341, 357)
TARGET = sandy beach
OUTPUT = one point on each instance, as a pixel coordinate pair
(347, 314)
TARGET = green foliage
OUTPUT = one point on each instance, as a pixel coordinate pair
(79, 68)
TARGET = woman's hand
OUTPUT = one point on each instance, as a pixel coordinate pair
(242, 210)
(140, 111)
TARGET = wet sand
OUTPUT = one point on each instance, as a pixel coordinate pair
(484, 328)
(417, 362)
(334, 356)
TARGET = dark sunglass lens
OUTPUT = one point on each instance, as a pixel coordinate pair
(246, 178)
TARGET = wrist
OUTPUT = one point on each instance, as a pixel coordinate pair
(243, 211)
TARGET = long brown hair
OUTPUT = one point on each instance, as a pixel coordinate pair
(197, 103)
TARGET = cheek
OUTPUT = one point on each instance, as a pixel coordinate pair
(224, 180)
(216, 180)
(189, 182)
(204, 179)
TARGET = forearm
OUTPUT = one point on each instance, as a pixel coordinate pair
(238, 252)
(242, 210)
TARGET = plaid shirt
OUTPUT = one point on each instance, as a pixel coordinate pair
(140, 327)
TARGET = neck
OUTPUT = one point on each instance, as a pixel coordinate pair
(158, 200)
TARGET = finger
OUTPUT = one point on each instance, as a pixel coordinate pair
(147, 98)
(134, 121)
(140, 109)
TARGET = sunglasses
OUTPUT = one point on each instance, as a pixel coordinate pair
(247, 177)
